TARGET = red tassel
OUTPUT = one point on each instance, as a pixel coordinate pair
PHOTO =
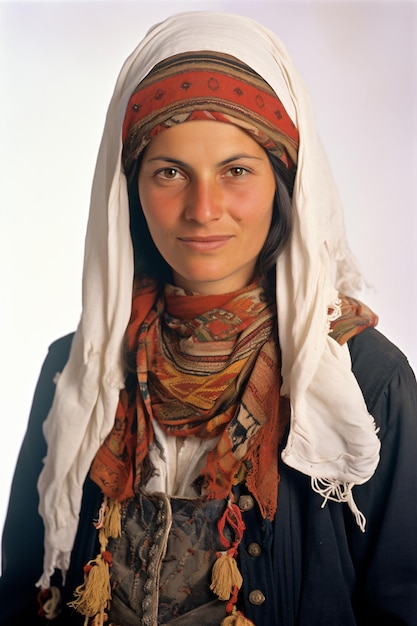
(233, 517)
(49, 601)
(226, 578)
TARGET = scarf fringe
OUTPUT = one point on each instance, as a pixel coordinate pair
(338, 492)
(92, 598)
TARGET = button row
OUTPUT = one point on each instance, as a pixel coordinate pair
(246, 503)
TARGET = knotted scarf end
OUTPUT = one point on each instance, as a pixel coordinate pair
(338, 492)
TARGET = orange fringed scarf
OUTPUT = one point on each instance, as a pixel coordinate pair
(206, 366)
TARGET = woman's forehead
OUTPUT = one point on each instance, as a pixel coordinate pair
(209, 139)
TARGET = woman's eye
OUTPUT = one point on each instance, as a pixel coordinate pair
(168, 172)
(237, 171)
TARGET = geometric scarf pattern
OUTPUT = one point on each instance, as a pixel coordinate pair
(206, 367)
(204, 86)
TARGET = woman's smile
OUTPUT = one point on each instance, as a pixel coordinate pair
(205, 244)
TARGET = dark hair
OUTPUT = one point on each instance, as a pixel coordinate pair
(281, 225)
(147, 258)
(148, 261)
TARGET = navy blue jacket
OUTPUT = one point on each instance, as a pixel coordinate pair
(312, 566)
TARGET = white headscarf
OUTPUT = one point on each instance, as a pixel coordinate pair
(332, 437)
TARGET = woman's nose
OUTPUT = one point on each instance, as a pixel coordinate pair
(204, 202)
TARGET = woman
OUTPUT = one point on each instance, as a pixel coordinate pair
(233, 365)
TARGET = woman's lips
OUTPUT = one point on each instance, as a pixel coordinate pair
(205, 244)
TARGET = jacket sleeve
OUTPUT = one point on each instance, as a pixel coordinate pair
(315, 566)
(386, 554)
(22, 543)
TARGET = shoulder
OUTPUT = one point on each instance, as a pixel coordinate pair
(377, 363)
(53, 364)
(59, 349)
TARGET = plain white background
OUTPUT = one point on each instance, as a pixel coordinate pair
(58, 65)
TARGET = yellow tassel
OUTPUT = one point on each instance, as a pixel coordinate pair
(112, 519)
(92, 598)
(236, 619)
(94, 595)
(225, 576)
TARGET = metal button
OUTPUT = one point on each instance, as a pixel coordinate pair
(256, 597)
(246, 503)
(254, 549)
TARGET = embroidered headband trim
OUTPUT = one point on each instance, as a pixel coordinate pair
(207, 86)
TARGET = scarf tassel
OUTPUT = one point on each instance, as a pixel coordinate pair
(92, 598)
(226, 579)
(49, 601)
(236, 619)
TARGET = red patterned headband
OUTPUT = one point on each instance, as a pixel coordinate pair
(197, 86)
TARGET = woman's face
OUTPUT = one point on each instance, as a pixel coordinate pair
(207, 191)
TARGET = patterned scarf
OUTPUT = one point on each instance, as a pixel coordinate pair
(207, 86)
(207, 366)
(351, 318)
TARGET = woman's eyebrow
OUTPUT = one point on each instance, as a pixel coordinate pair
(231, 159)
(167, 159)
(237, 157)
